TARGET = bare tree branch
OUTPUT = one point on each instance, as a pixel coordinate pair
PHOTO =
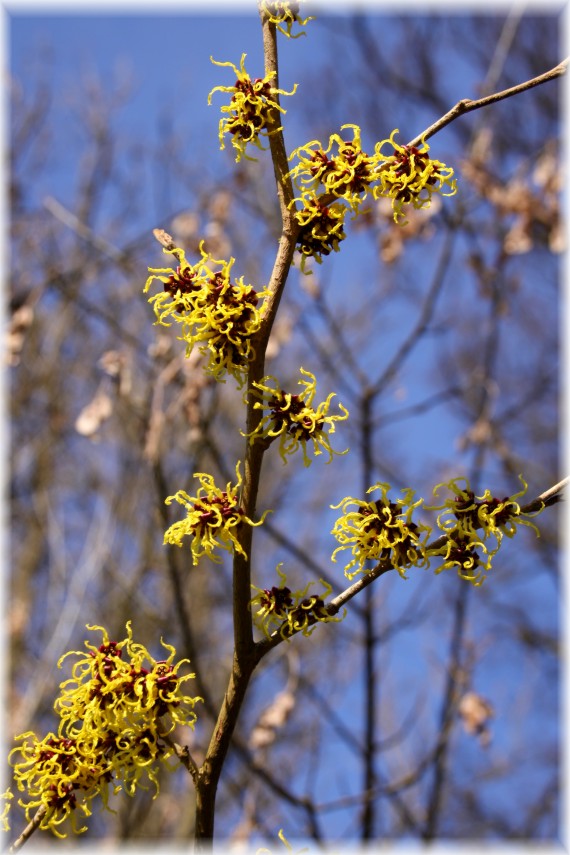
(466, 105)
(32, 826)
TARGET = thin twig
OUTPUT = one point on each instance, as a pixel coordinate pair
(285, 194)
(69, 219)
(466, 105)
(183, 754)
(549, 497)
(32, 826)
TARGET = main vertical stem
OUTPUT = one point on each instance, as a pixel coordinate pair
(244, 659)
(209, 774)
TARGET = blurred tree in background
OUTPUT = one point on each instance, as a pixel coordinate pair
(432, 711)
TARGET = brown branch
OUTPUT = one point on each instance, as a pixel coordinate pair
(281, 168)
(549, 497)
(254, 451)
(285, 194)
(466, 105)
(32, 826)
(183, 754)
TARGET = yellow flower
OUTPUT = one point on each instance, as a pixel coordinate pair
(325, 183)
(119, 683)
(218, 315)
(343, 171)
(291, 611)
(321, 227)
(252, 109)
(409, 176)
(212, 516)
(283, 13)
(381, 530)
(4, 821)
(346, 175)
(59, 774)
(180, 285)
(470, 521)
(293, 418)
(115, 712)
(466, 515)
(463, 553)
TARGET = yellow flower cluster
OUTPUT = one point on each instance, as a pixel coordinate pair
(347, 175)
(321, 228)
(472, 523)
(115, 712)
(252, 111)
(463, 554)
(284, 14)
(409, 176)
(381, 530)
(218, 315)
(290, 611)
(343, 171)
(212, 516)
(293, 418)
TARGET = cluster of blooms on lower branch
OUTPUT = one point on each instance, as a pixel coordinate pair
(294, 420)
(212, 517)
(383, 530)
(338, 178)
(115, 716)
(219, 315)
(290, 611)
(252, 111)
